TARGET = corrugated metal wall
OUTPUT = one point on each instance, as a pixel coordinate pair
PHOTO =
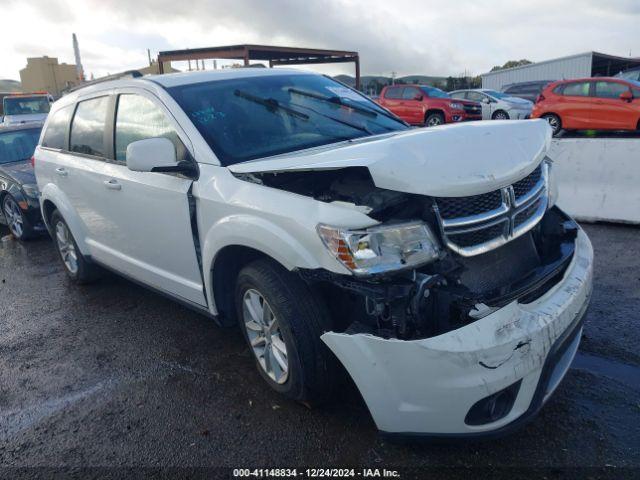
(576, 66)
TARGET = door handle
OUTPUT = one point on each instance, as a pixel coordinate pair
(112, 184)
(61, 171)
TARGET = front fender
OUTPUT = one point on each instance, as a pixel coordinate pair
(52, 193)
(259, 234)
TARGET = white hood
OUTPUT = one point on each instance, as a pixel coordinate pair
(447, 161)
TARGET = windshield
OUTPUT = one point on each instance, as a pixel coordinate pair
(630, 74)
(435, 92)
(26, 105)
(18, 144)
(247, 118)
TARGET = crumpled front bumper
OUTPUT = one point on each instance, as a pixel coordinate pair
(427, 387)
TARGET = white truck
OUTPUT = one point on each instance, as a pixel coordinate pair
(432, 264)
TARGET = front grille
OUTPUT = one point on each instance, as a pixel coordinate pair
(524, 186)
(476, 224)
(477, 237)
(473, 109)
(452, 207)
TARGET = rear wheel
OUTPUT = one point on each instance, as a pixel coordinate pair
(16, 221)
(433, 120)
(282, 321)
(77, 266)
(554, 122)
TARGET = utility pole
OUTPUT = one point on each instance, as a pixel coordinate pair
(393, 78)
(76, 52)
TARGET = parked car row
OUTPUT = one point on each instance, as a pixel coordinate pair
(432, 264)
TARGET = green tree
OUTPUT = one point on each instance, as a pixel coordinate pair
(512, 64)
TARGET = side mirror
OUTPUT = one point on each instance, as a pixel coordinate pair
(626, 96)
(486, 100)
(155, 155)
(418, 96)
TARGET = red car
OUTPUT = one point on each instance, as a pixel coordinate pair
(599, 103)
(428, 106)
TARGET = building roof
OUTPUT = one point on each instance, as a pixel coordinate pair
(598, 61)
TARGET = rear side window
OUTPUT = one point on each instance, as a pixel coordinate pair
(458, 95)
(87, 128)
(393, 92)
(139, 118)
(56, 133)
(578, 89)
(410, 93)
(610, 89)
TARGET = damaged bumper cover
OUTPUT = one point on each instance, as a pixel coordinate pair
(479, 380)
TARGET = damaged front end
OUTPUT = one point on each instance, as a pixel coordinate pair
(461, 314)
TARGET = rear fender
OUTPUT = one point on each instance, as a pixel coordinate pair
(52, 193)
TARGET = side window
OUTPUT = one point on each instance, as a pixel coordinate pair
(610, 89)
(636, 92)
(409, 93)
(475, 96)
(87, 127)
(578, 89)
(138, 118)
(458, 95)
(393, 92)
(55, 135)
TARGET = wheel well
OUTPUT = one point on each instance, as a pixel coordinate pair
(47, 209)
(224, 272)
(433, 110)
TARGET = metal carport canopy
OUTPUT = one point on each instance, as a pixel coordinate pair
(275, 55)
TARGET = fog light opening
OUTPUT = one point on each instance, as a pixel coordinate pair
(494, 407)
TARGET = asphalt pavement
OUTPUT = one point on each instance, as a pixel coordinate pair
(112, 375)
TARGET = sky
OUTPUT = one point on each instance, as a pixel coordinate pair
(430, 37)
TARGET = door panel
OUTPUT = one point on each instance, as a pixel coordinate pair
(608, 111)
(141, 226)
(574, 105)
(413, 109)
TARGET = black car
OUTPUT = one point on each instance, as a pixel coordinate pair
(19, 205)
(527, 90)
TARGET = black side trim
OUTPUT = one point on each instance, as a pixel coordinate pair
(196, 236)
(556, 352)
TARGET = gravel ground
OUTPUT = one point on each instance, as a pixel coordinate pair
(112, 375)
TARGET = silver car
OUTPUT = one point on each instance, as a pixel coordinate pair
(497, 105)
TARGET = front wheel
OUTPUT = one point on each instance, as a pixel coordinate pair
(77, 266)
(433, 120)
(282, 321)
(554, 122)
(16, 220)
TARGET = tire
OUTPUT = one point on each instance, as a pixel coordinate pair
(17, 222)
(78, 267)
(554, 122)
(297, 317)
(433, 120)
(500, 115)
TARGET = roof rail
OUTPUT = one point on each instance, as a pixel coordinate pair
(115, 76)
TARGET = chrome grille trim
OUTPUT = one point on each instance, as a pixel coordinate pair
(512, 208)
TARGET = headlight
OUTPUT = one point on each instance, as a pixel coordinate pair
(552, 185)
(382, 248)
(456, 106)
(31, 190)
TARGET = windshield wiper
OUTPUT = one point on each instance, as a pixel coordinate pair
(338, 101)
(271, 104)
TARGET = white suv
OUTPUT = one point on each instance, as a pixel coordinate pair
(432, 263)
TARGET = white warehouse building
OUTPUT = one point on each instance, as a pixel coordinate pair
(582, 65)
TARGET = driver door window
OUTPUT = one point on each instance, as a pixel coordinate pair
(138, 118)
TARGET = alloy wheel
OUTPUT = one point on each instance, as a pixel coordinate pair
(501, 116)
(13, 216)
(434, 121)
(265, 337)
(66, 247)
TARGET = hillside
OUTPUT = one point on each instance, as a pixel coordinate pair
(382, 80)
